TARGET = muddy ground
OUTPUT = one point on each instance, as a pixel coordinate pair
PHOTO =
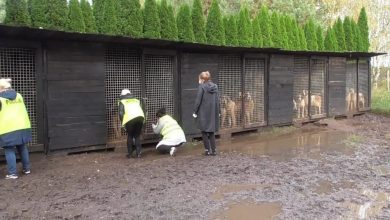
(336, 172)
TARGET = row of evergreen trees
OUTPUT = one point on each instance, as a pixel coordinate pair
(159, 21)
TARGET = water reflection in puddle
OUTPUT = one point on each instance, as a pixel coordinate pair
(370, 209)
(250, 211)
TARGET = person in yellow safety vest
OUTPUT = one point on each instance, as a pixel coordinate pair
(173, 135)
(15, 128)
(131, 115)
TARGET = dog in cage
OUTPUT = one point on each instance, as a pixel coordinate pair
(301, 106)
(351, 99)
(238, 110)
(315, 101)
(249, 106)
(362, 102)
(116, 124)
(228, 114)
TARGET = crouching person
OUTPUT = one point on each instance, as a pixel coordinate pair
(173, 135)
(15, 128)
(132, 117)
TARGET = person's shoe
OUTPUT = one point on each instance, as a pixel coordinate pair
(11, 176)
(26, 172)
(206, 153)
(173, 151)
(214, 153)
(129, 156)
(138, 155)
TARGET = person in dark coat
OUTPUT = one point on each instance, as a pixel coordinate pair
(207, 111)
(15, 128)
(132, 117)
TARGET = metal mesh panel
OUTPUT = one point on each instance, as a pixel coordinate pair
(159, 87)
(351, 86)
(230, 87)
(317, 88)
(301, 88)
(19, 65)
(254, 92)
(123, 70)
(363, 101)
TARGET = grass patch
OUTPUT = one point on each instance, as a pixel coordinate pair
(381, 101)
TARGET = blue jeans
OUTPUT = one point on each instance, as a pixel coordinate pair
(11, 158)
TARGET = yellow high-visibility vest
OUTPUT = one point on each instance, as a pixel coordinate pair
(132, 110)
(171, 128)
(13, 115)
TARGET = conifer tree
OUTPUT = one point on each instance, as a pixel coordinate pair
(16, 13)
(244, 28)
(357, 37)
(257, 36)
(330, 43)
(152, 26)
(290, 32)
(173, 25)
(167, 25)
(320, 39)
(184, 24)
(231, 32)
(349, 38)
(340, 35)
(89, 19)
(311, 36)
(296, 45)
(57, 15)
(38, 13)
(215, 33)
(303, 41)
(198, 22)
(98, 12)
(284, 37)
(76, 19)
(276, 31)
(130, 20)
(363, 28)
(265, 28)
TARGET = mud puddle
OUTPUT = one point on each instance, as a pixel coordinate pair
(370, 209)
(233, 188)
(250, 211)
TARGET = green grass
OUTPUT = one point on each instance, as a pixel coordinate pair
(381, 101)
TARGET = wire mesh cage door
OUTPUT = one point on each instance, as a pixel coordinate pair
(19, 65)
(159, 87)
(230, 88)
(123, 70)
(253, 97)
(301, 88)
(317, 88)
(363, 85)
(351, 86)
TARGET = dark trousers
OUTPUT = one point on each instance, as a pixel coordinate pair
(133, 129)
(209, 141)
(164, 149)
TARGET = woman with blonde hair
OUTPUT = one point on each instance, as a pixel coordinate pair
(207, 111)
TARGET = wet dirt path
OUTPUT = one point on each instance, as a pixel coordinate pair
(339, 172)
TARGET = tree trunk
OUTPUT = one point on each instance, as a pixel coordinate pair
(388, 80)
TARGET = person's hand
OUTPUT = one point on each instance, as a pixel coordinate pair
(154, 126)
(194, 115)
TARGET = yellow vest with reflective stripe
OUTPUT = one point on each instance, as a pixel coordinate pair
(132, 110)
(13, 115)
(171, 128)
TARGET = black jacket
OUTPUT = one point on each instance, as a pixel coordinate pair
(207, 107)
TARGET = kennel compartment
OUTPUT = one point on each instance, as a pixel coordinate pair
(336, 86)
(253, 97)
(363, 85)
(351, 86)
(230, 88)
(301, 88)
(317, 88)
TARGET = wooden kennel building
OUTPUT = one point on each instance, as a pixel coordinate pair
(71, 83)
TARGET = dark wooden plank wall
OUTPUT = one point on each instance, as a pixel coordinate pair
(76, 95)
(281, 77)
(336, 86)
(191, 65)
(364, 84)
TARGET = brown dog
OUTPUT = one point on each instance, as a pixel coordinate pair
(249, 105)
(228, 111)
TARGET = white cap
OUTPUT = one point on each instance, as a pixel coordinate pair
(5, 83)
(125, 92)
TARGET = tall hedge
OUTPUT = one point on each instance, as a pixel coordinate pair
(16, 13)
(340, 35)
(320, 39)
(276, 34)
(215, 33)
(302, 37)
(57, 15)
(184, 24)
(290, 32)
(198, 22)
(89, 19)
(38, 13)
(257, 36)
(168, 21)
(357, 36)
(284, 37)
(296, 45)
(231, 32)
(76, 19)
(330, 43)
(265, 26)
(152, 26)
(244, 28)
(130, 20)
(311, 35)
(349, 38)
(363, 28)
